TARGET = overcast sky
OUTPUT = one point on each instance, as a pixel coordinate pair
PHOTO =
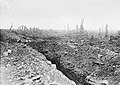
(56, 14)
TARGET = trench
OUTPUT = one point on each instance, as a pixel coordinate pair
(79, 79)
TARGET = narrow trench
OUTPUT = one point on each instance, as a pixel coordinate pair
(79, 79)
(69, 74)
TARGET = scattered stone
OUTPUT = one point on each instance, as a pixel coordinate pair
(30, 68)
(9, 51)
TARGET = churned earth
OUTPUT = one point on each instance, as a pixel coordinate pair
(22, 65)
(84, 61)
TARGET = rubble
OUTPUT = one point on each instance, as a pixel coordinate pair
(31, 68)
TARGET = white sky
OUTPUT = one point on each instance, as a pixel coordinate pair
(56, 14)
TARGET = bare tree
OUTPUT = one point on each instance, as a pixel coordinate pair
(11, 27)
(76, 27)
(81, 26)
(106, 30)
(99, 35)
